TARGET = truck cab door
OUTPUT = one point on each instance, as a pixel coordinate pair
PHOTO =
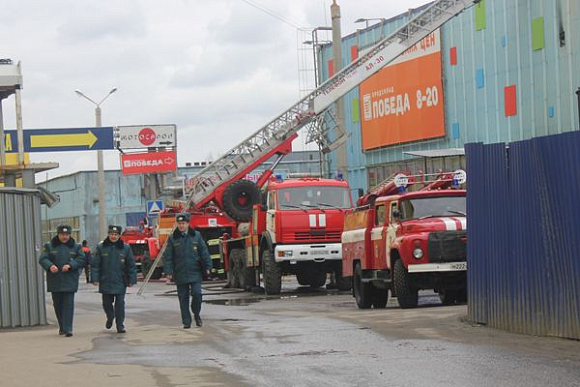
(271, 215)
(378, 237)
(391, 232)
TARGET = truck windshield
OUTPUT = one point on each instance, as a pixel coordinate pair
(432, 207)
(325, 197)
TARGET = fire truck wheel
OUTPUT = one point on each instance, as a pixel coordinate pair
(272, 273)
(145, 264)
(236, 260)
(248, 278)
(406, 295)
(318, 279)
(448, 296)
(380, 298)
(157, 273)
(363, 292)
(302, 277)
(342, 283)
(462, 295)
(238, 199)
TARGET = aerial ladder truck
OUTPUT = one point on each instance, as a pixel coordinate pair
(219, 182)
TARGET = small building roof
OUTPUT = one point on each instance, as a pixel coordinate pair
(437, 152)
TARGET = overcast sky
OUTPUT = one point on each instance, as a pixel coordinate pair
(218, 69)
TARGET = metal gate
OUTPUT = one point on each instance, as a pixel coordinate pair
(22, 297)
(523, 206)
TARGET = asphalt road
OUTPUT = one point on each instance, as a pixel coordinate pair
(303, 338)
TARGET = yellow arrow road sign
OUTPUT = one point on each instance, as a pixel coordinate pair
(59, 140)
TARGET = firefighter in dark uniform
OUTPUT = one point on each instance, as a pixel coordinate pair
(186, 258)
(62, 258)
(112, 270)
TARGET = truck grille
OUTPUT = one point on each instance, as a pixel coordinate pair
(448, 246)
(318, 235)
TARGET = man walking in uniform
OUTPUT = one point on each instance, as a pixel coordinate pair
(186, 258)
(62, 258)
(112, 270)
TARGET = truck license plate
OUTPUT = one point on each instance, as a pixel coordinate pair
(459, 266)
(319, 252)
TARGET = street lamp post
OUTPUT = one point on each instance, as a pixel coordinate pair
(367, 20)
(100, 164)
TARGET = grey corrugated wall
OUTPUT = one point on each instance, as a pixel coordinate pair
(22, 296)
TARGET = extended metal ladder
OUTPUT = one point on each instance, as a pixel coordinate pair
(312, 108)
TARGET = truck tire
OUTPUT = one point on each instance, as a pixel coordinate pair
(380, 298)
(248, 279)
(363, 292)
(303, 278)
(407, 297)
(448, 296)
(317, 278)
(237, 257)
(157, 273)
(344, 283)
(238, 199)
(462, 296)
(272, 273)
(145, 264)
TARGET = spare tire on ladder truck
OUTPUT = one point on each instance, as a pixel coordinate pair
(238, 199)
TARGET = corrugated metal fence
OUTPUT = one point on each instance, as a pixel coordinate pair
(22, 301)
(523, 206)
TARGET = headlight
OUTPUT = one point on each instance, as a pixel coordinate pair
(282, 253)
(418, 253)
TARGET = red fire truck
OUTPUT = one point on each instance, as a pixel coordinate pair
(295, 231)
(407, 241)
(221, 182)
(140, 239)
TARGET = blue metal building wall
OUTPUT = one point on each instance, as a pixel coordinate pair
(502, 55)
(524, 218)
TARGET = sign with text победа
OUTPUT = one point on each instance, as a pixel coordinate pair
(149, 162)
(404, 101)
(152, 136)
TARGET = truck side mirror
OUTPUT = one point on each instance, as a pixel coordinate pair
(396, 214)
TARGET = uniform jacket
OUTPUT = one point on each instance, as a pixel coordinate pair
(59, 254)
(113, 267)
(186, 257)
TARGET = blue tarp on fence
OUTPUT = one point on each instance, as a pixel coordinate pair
(523, 208)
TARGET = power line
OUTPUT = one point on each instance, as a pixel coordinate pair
(272, 13)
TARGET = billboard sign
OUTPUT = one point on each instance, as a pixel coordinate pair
(150, 162)
(61, 139)
(151, 136)
(404, 101)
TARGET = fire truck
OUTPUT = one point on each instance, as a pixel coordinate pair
(221, 183)
(295, 231)
(140, 239)
(405, 241)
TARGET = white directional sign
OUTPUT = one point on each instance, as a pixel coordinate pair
(401, 180)
(460, 175)
(154, 207)
(151, 136)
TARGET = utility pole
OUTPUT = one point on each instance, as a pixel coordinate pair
(100, 165)
(341, 155)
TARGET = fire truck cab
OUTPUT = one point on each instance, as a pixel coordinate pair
(407, 242)
(295, 231)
